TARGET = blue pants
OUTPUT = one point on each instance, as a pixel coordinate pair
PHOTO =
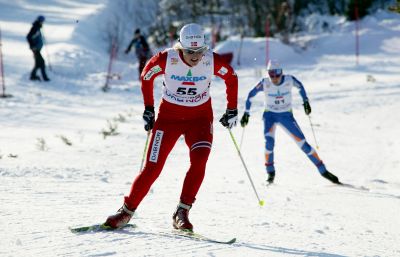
(287, 121)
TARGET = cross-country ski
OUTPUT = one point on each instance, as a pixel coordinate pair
(98, 228)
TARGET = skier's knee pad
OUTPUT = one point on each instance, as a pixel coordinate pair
(269, 144)
(306, 148)
(270, 168)
(199, 155)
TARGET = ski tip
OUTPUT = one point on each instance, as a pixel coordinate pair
(261, 202)
(79, 229)
(233, 240)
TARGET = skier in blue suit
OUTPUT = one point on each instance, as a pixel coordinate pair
(278, 110)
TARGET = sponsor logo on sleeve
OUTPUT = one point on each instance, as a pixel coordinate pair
(174, 61)
(222, 71)
(155, 148)
(156, 69)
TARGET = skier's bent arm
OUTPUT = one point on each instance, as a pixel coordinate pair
(226, 72)
(258, 88)
(154, 68)
(128, 49)
(300, 86)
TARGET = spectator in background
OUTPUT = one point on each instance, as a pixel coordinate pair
(142, 49)
(36, 42)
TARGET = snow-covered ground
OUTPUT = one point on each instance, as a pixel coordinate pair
(47, 186)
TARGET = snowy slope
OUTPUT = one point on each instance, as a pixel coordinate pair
(47, 186)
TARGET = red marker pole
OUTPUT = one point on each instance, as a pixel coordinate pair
(106, 87)
(240, 48)
(3, 84)
(1, 66)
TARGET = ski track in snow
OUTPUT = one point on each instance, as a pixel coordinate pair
(47, 186)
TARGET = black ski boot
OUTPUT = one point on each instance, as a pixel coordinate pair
(332, 178)
(120, 219)
(35, 78)
(271, 177)
(181, 217)
(44, 74)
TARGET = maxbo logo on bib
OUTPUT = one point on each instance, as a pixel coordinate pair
(188, 79)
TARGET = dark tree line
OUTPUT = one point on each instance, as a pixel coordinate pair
(249, 17)
(244, 17)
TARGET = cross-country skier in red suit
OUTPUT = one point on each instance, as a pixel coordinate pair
(186, 110)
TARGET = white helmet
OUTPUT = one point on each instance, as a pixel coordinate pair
(274, 65)
(192, 36)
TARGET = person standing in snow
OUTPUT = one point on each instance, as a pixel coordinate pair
(277, 88)
(36, 42)
(142, 49)
(186, 110)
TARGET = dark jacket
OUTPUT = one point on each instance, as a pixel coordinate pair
(142, 48)
(34, 37)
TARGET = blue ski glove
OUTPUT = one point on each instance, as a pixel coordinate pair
(245, 119)
(148, 117)
(229, 119)
(307, 107)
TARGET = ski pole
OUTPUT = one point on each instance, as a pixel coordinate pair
(260, 202)
(3, 83)
(312, 129)
(106, 86)
(241, 138)
(240, 48)
(145, 150)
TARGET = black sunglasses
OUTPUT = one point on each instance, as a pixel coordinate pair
(191, 51)
(276, 73)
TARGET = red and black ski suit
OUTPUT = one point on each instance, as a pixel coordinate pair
(185, 109)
